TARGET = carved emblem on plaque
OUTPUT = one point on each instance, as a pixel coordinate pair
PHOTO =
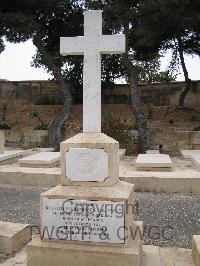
(86, 163)
(83, 164)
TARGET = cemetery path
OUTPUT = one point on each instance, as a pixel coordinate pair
(169, 219)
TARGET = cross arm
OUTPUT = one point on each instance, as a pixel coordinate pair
(112, 44)
(72, 45)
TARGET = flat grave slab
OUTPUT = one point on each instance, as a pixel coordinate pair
(42, 149)
(42, 159)
(10, 154)
(13, 236)
(153, 162)
(152, 152)
(195, 158)
(188, 153)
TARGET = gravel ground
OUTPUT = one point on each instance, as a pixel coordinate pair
(169, 220)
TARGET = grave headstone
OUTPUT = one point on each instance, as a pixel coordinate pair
(88, 218)
(1, 142)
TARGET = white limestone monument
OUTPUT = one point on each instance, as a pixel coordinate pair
(88, 219)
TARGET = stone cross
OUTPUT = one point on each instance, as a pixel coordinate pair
(92, 45)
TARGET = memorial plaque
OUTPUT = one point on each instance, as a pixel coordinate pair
(84, 164)
(82, 220)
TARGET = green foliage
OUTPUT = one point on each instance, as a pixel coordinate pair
(150, 113)
(4, 125)
(41, 126)
(34, 113)
(195, 117)
(121, 132)
(46, 100)
(196, 129)
(149, 72)
(135, 126)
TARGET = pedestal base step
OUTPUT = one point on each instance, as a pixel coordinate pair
(196, 249)
(13, 237)
(55, 254)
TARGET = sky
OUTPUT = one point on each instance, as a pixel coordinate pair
(15, 64)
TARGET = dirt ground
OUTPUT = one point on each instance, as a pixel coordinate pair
(19, 116)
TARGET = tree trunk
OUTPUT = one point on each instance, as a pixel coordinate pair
(187, 79)
(141, 121)
(55, 129)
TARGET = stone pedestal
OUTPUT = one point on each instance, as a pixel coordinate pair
(55, 254)
(1, 142)
(89, 219)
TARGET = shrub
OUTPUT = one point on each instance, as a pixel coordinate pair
(135, 126)
(195, 117)
(41, 126)
(34, 113)
(121, 132)
(196, 129)
(150, 113)
(4, 125)
(46, 100)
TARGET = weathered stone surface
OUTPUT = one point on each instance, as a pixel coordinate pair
(188, 153)
(83, 220)
(42, 159)
(55, 254)
(151, 256)
(1, 142)
(196, 249)
(196, 138)
(84, 164)
(120, 196)
(10, 154)
(92, 141)
(196, 160)
(153, 152)
(122, 153)
(13, 236)
(153, 161)
(26, 176)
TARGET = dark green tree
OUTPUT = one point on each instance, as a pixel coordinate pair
(169, 24)
(45, 22)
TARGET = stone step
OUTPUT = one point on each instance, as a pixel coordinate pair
(13, 237)
(152, 256)
(157, 256)
(196, 249)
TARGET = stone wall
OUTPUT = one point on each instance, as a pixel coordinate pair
(170, 140)
(176, 140)
(26, 138)
(165, 94)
